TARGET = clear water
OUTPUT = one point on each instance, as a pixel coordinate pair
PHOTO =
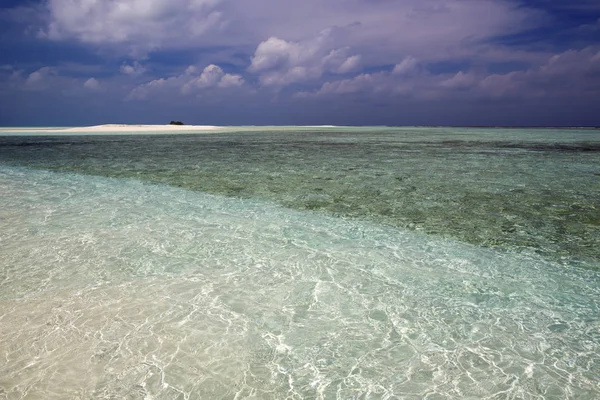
(373, 263)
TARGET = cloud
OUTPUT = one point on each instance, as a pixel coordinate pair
(573, 73)
(279, 62)
(460, 81)
(191, 81)
(351, 63)
(55, 81)
(407, 66)
(403, 79)
(414, 50)
(230, 80)
(92, 84)
(139, 25)
(210, 77)
(39, 80)
(565, 75)
(133, 70)
(384, 31)
(379, 32)
(366, 84)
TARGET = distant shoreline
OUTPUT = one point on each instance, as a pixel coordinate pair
(166, 129)
(110, 128)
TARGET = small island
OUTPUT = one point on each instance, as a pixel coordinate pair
(176, 123)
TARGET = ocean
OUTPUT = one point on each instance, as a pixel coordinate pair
(301, 263)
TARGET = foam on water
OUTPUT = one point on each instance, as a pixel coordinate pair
(111, 288)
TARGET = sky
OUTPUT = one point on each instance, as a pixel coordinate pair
(273, 62)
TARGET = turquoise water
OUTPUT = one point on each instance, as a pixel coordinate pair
(358, 263)
(525, 190)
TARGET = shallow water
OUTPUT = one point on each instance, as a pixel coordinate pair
(119, 288)
(528, 190)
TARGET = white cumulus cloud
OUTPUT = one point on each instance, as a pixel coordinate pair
(191, 81)
(279, 62)
(92, 84)
(231, 80)
(460, 81)
(562, 75)
(138, 25)
(407, 66)
(134, 69)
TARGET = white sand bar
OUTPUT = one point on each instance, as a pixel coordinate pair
(120, 129)
(117, 128)
(143, 128)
